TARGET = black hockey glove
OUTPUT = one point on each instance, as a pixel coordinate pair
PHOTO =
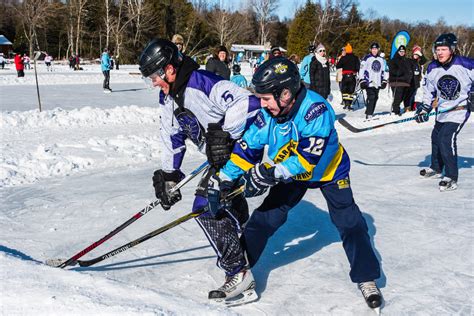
(383, 85)
(259, 179)
(364, 84)
(218, 145)
(163, 183)
(422, 111)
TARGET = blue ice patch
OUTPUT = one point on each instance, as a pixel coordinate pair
(315, 110)
(259, 120)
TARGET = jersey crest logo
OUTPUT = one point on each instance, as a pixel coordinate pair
(259, 120)
(191, 127)
(376, 66)
(315, 110)
(449, 87)
(280, 68)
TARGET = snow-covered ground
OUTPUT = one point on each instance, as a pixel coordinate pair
(75, 171)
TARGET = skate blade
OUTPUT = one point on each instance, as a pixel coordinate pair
(246, 297)
(376, 310)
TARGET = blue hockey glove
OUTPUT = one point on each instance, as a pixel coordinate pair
(217, 190)
(259, 179)
(422, 111)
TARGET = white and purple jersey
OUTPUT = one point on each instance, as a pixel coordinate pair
(208, 98)
(372, 70)
(451, 84)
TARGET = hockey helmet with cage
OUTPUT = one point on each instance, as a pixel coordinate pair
(157, 54)
(447, 39)
(275, 75)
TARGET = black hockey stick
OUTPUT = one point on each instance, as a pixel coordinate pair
(73, 260)
(176, 222)
(354, 129)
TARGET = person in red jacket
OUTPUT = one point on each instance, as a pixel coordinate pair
(19, 65)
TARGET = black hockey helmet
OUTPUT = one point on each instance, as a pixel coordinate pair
(236, 68)
(311, 48)
(275, 75)
(157, 54)
(447, 39)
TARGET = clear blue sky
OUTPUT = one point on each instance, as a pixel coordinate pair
(453, 11)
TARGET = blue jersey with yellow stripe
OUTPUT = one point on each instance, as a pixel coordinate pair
(304, 148)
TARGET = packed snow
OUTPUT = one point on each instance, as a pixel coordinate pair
(78, 169)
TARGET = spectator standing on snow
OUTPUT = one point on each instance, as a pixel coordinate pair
(319, 72)
(26, 61)
(48, 60)
(219, 63)
(350, 65)
(372, 77)
(401, 75)
(19, 65)
(178, 40)
(2, 61)
(105, 66)
(71, 62)
(418, 60)
(304, 67)
(237, 78)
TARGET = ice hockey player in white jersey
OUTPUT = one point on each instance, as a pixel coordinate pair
(193, 101)
(449, 82)
(373, 77)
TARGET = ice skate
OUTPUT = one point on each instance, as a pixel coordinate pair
(237, 290)
(447, 184)
(428, 173)
(371, 293)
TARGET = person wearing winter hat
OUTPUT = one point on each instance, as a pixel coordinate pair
(372, 77)
(178, 40)
(350, 66)
(275, 52)
(401, 75)
(219, 63)
(304, 66)
(418, 60)
(319, 72)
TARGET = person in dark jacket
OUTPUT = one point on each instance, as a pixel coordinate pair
(401, 74)
(418, 60)
(219, 63)
(319, 72)
(350, 66)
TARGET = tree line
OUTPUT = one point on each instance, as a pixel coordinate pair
(86, 27)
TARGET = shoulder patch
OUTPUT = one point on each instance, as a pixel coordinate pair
(315, 110)
(259, 120)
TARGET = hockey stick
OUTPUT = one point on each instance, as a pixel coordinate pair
(354, 129)
(149, 207)
(176, 222)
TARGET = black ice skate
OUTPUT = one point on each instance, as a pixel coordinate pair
(429, 173)
(371, 294)
(237, 290)
(447, 184)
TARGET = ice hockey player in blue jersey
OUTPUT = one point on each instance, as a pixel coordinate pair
(448, 81)
(237, 78)
(296, 126)
(212, 113)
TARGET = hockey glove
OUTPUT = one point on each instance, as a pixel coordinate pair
(217, 190)
(259, 179)
(383, 85)
(218, 145)
(422, 111)
(163, 182)
(364, 84)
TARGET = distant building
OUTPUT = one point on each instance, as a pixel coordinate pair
(249, 51)
(5, 45)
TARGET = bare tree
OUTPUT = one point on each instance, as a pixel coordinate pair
(33, 13)
(226, 26)
(263, 9)
(108, 22)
